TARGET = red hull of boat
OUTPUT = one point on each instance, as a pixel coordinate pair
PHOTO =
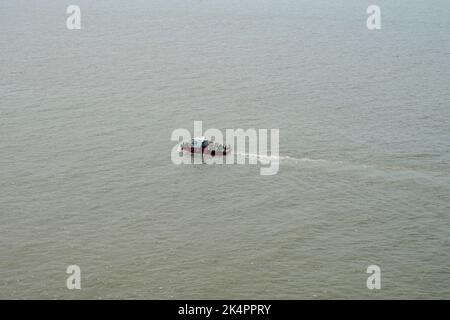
(205, 151)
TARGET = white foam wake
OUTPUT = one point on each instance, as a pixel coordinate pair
(267, 159)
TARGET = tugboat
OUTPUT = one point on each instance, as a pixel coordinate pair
(204, 146)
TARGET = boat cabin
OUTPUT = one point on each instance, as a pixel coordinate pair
(200, 142)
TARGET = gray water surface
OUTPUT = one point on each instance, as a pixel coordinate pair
(86, 176)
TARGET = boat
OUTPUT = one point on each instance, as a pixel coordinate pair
(204, 146)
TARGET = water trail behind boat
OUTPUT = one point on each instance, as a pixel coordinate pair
(266, 159)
